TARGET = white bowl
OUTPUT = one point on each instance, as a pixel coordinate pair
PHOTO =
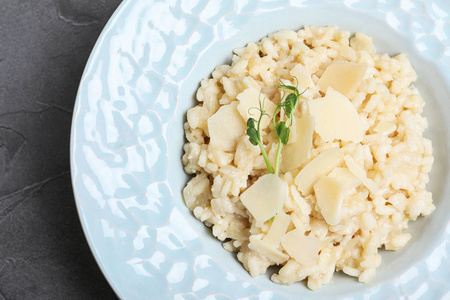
(127, 138)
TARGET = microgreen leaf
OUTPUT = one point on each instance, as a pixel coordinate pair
(282, 132)
(251, 123)
(289, 104)
(253, 136)
(252, 133)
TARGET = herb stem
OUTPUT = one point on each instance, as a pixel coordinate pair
(266, 158)
(288, 104)
(277, 158)
(280, 145)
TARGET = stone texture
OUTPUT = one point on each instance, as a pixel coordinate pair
(44, 47)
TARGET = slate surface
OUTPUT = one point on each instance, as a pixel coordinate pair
(44, 46)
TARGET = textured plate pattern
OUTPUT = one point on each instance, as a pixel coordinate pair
(127, 138)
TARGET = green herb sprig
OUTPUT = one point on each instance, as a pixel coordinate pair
(254, 133)
(281, 127)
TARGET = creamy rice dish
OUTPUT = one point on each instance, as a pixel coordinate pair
(346, 180)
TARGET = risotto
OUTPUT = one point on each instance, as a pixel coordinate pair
(351, 174)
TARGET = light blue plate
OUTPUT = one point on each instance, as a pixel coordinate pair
(127, 138)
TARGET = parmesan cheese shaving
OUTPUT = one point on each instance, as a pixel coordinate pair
(303, 75)
(278, 229)
(225, 137)
(304, 249)
(336, 118)
(329, 196)
(295, 154)
(320, 165)
(346, 177)
(249, 104)
(265, 198)
(361, 174)
(267, 249)
(344, 77)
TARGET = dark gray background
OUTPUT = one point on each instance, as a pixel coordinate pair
(44, 46)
